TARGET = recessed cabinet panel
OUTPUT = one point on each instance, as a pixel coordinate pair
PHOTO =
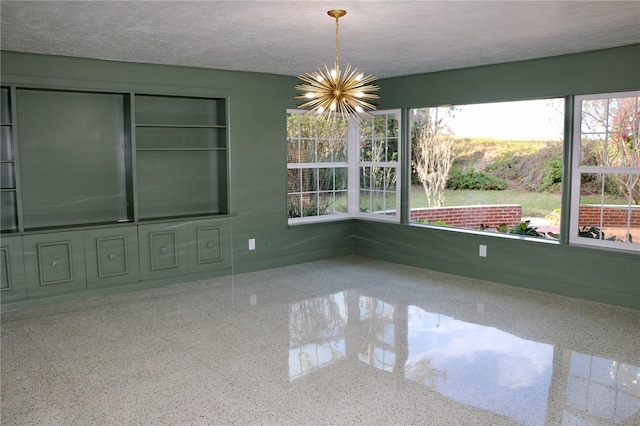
(163, 250)
(209, 245)
(12, 281)
(5, 267)
(54, 263)
(111, 256)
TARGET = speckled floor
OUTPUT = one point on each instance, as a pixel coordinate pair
(344, 341)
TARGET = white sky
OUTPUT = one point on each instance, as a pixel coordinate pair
(522, 120)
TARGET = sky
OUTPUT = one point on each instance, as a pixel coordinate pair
(521, 120)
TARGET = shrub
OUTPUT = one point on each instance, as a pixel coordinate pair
(523, 228)
(551, 174)
(309, 208)
(470, 179)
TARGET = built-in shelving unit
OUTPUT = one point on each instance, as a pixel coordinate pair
(73, 158)
(8, 190)
(181, 156)
(80, 172)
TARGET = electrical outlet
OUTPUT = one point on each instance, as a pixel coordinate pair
(483, 251)
(252, 243)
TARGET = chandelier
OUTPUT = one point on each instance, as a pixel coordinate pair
(329, 92)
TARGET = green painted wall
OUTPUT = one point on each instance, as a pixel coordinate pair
(603, 275)
(257, 104)
(610, 70)
(257, 136)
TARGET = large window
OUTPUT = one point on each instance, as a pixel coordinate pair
(494, 167)
(378, 166)
(317, 167)
(606, 171)
(338, 168)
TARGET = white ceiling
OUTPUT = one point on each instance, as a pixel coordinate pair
(384, 38)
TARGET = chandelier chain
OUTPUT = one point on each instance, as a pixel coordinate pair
(337, 40)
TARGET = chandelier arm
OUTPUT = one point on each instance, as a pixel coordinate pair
(367, 90)
(314, 82)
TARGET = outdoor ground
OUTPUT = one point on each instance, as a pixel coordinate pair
(542, 209)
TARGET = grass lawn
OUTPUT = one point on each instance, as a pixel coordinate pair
(539, 204)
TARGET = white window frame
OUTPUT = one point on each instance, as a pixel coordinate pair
(353, 164)
(577, 170)
(316, 165)
(354, 170)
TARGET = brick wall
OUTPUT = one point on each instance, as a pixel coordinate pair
(612, 215)
(471, 216)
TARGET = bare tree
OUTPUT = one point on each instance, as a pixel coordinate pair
(610, 138)
(432, 143)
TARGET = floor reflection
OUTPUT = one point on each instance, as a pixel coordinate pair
(528, 381)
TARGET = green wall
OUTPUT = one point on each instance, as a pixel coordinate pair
(602, 71)
(257, 104)
(257, 142)
(603, 275)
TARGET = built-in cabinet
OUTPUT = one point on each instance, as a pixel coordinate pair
(110, 189)
(55, 263)
(111, 256)
(12, 280)
(8, 187)
(95, 158)
(183, 248)
(180, 145)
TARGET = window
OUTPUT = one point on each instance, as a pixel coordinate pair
(495, 167)
(606, 171)
(378, 166)
(317, 167)
(341, 169)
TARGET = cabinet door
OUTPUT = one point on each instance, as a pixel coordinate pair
(209, 245)
(12, 282)
(54, 263)
(111, 256)
(163, 250)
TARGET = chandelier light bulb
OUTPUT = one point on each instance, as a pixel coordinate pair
(333, 74)
(310, 95)
(319, 78)
(359, 108)
(359, 76)
(320, 110)
(359, 94)
(332, 107)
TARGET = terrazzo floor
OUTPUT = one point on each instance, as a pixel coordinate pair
(344, 341)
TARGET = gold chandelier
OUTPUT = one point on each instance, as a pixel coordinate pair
(335, 91)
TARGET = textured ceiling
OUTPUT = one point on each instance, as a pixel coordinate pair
(384, 38)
